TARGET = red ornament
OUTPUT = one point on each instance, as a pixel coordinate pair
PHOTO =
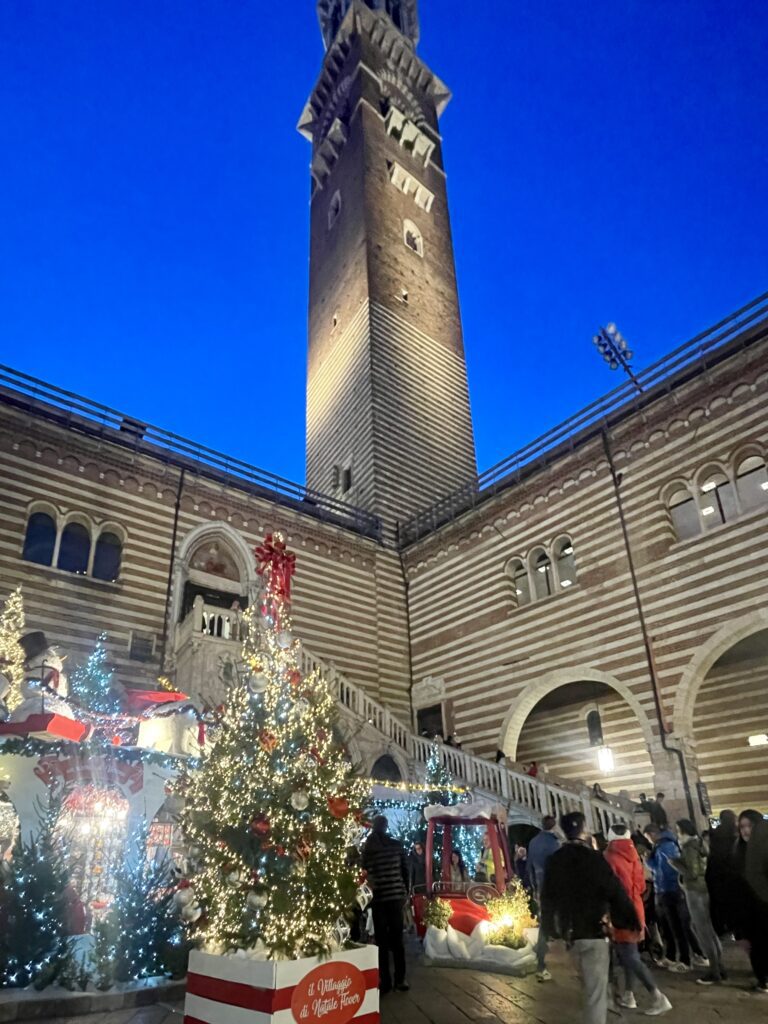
(315, 754)
(295, 678)
(267, 741)
(280, 851)
(117, 741)
(338, 806)
(260, 825)
(322, 735)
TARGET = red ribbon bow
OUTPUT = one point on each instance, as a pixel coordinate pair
(276, 564)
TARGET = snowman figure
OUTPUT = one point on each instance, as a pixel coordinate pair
(45, 685)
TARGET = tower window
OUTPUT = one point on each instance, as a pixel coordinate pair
(404, 295)
(518, 572)
(684, 513)
(541, 568)
(40, 539)
(752, 482)
(335, 319)
(566, 563)
(334, 209)
(335, 477)
(346, 479)
(412, 237)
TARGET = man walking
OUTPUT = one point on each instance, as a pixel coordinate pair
(671, 909)
(384, 860)
(540, 849)
(580, 894)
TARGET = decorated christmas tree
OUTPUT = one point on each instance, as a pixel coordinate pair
(274, 809)
(34, 906)
(11, 651)
(136, 937)
(92, 685)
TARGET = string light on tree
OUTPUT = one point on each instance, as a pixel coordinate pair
(11, 651)
(272, 820)
(92, 683)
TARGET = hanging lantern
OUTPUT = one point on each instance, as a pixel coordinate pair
(605, 760)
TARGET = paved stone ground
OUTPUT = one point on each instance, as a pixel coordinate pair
(454, 996)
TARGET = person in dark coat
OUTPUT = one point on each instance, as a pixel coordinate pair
(751, 893)
(579, 896)
(720, 875)
(417, 869)
(387, 871)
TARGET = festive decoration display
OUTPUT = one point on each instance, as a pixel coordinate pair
(11, 651)
(510, 917)
(134, 939)
(92, 684)
(37, 904)
(278, 815)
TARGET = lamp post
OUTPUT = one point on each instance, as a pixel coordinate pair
(613, 347)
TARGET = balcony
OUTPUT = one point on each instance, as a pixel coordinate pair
(207, 646)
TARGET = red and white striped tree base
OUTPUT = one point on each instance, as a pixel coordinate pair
(343, 989)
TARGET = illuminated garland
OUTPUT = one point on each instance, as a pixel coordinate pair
(31, 746)
(11, 652)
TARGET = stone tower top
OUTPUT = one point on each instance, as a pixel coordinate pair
(402, 13)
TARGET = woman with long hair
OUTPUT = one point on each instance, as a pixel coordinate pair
(692, 866)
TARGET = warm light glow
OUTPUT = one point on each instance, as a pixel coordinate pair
(764, 485)
(759, 740)
(707, 510)
(605, 759)
(11, 651)
(710, 485)
(566, 583)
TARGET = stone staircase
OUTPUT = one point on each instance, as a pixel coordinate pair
(526, 799)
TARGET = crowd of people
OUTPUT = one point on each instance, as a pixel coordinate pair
(672, 894)
(627, 905)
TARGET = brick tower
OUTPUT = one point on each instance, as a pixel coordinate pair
(388, 420)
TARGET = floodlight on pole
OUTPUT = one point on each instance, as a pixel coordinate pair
(613, 347)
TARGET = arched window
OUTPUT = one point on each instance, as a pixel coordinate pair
(334, 209)
(385, 770)
(566, 563)
(40, 539)
(542, 573)
(75, 548)
(595, 728)
(684, 513)
(718, 504)
(518, 572)
(107, 556)
(752, 482)
(412, 237)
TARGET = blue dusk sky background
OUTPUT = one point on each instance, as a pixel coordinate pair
(607, 160)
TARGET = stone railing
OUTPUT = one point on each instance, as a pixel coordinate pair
(209, 620)
(534, 796)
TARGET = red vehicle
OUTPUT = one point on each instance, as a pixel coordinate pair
(468, 900)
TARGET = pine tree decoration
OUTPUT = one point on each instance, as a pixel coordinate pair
(91, 684)
(33, 907)
(11, 651)
(133, 940)
(275, 807)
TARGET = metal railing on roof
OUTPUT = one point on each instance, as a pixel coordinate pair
(83, 415)
(662, 375)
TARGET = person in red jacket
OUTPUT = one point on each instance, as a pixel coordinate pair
(625, 864)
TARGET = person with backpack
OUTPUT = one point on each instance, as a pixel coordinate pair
(671, 908)
(625, 863)
(692, 868)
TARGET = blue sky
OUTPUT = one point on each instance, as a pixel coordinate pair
(607, 161)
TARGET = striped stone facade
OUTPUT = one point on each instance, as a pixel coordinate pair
(699, 596)
(349, 598)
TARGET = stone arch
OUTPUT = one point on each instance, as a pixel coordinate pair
(236, 545)
(388, 751)
(530, 697)
(700, 664)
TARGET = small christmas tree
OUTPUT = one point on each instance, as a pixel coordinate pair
(275, 807)
(34, 896)
(134, 939)
(440, 789)
(92, 684)
(11, 651)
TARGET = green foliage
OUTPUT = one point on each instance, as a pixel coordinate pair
(137, 936)
(437, 913)
(92, 685)
(510, 914)
(33, 901)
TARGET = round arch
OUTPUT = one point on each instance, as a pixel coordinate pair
(524, 705)
(235, 542)
(388, 751)
(700, 664)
